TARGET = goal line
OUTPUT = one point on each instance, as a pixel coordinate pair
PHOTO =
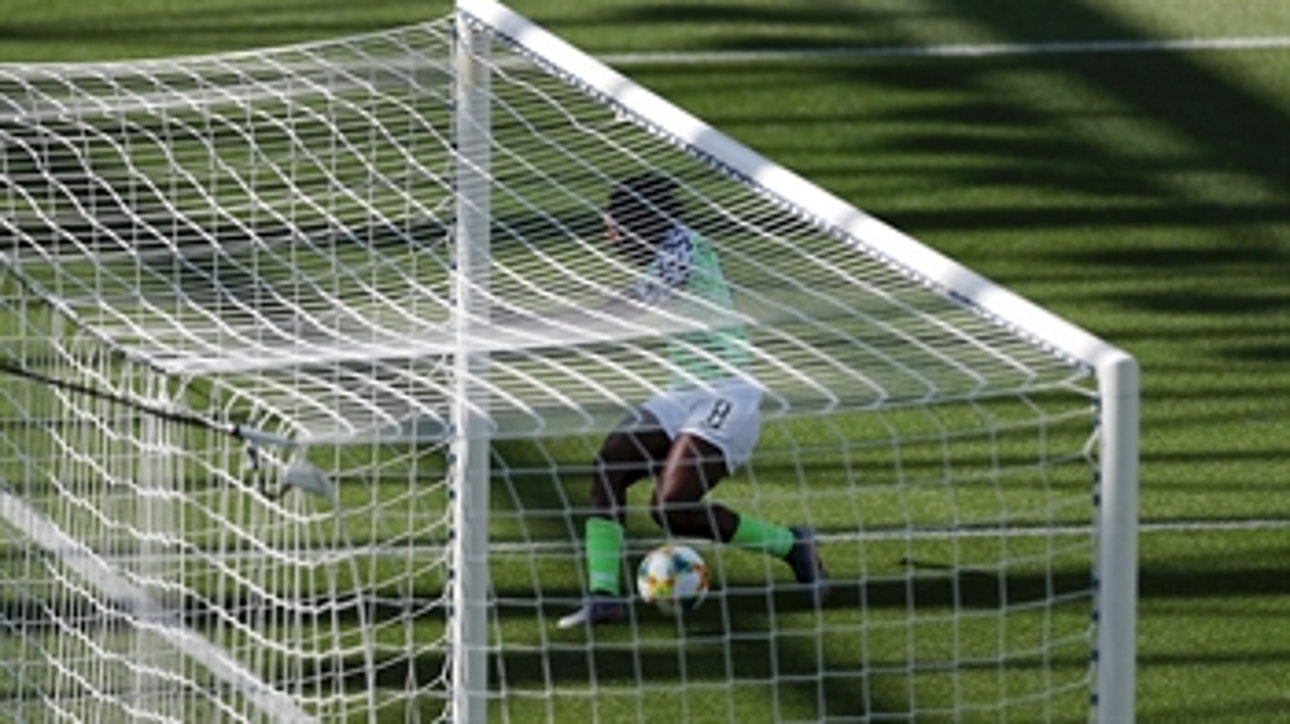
(566, 547)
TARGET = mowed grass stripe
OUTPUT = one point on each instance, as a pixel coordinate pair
(1214, 428)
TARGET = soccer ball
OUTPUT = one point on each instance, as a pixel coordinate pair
(673, 578)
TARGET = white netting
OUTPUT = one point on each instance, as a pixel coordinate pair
(269, 237)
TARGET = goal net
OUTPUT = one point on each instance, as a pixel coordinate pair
(307, 355)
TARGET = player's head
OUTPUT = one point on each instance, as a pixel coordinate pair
(642, 210)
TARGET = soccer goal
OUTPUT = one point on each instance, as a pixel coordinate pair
(306, 356)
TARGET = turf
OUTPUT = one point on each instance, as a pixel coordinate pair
(1145, 196)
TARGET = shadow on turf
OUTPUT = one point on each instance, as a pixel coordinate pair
(746, 635)
(1263, 710)
(121, 32)
(1233, 125)
(1233, 130)
(760, 648)
(1174, 89)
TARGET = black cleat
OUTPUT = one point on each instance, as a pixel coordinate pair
(804, 559)
(598, 609)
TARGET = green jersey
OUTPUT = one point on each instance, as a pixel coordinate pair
(685, 277)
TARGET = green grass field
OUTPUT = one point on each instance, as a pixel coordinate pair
(1142, 193)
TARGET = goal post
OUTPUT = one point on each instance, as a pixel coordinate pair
(1116, 568)
(307, 356)
(471, 439)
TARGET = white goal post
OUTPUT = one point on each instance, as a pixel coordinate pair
(306, 355)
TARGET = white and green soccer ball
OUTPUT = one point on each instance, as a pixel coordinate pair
(673, 577)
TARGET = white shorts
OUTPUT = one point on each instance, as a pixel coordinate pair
(726, 414)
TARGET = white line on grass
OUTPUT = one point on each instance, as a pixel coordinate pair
(965, 50)
(567, 547)
(1041, 531)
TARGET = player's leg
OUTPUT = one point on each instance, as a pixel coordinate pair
(717, 437)
(634, 450)
(631, 452)
(694, 467)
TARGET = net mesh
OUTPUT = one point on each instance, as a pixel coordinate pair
(269, 237)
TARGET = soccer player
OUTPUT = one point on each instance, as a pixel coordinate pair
(693, 434)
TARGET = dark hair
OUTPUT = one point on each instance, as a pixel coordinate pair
(646, 208)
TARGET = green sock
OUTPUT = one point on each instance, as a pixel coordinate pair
(604, 555)
(758, 535)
